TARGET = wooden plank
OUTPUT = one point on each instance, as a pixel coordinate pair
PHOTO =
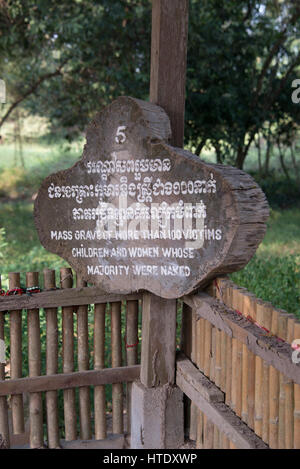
(4, 427)
(51, 364)
(83, 364)
(274, 352)
(56, 298)
(116, 361)
(17, 406)
(34, 362)
(70, 380)
(70, 414)
(168, 61)
(159, 341)
(198, 380)
(220, 415)
(99, 363)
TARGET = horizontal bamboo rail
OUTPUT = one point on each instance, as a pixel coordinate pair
(75, 379)
(57, 298)
(210, 400)
(269, 348)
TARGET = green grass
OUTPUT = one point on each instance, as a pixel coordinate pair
(274, 272)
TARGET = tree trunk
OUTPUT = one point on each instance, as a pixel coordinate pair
(258, 146)
(282, 162)
(295, 166)
(268, 154)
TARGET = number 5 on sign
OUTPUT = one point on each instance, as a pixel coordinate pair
(121, 137)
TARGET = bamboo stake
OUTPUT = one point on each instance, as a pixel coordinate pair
(4, 428)
(267, 324)
(66, 280)
(83, 364)
(116, 357)
(193, 407)
(199, 335)
(282, 332)
(250, 310)
(208, 433)
(228, 302)
(289, 394)
(237, 350)
(274, 391)
(245, 308)
(186, 347)
(132, 339)
(258, 378)
(225, 353)
(16, 359)
(51, 363)
(297, 397)
(34, 360)
(99, 363)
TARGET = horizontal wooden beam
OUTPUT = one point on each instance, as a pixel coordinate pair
(198, 380)
(208, 400)
(273, 351)
(66, 297)
(70, 380)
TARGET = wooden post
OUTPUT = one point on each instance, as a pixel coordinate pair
(83, 364)
(66, 280)
(4, 429)
(99, 362)
(16, 359)
(34, 360)
(116, 361)
(168, 61)
(51, 363)
(167, 89)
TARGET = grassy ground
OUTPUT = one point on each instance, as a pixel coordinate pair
(273, 274)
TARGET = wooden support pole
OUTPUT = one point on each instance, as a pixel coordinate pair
(167, 89)
(116, 361)
(168, 61)
(99, 363)
(34, 360)
(4, 429)
(158, 341)
(83, 364)
(66, 281)
(131, 345)
(51, 363)
(16, 359)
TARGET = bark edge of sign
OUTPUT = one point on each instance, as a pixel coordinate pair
(150, 132)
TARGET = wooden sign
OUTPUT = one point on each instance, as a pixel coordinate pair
(137, 214)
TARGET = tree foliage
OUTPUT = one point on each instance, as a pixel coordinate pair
(65, 60)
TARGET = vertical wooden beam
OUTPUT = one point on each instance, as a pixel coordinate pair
(99, 363)
(167, 89)
(66, 281)
(51, 363)
(16, 359)
(34, 361)
(168, 61)
(83, 364)
(158, 341)
(4, 428)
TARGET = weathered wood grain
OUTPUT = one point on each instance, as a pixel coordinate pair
(56, 298)
(217, 412)
(223, 235)
(274, 352)
(158, 341)
(168, 64)
(198, 380)
(76, 379)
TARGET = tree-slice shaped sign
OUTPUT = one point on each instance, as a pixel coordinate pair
(138, 214)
